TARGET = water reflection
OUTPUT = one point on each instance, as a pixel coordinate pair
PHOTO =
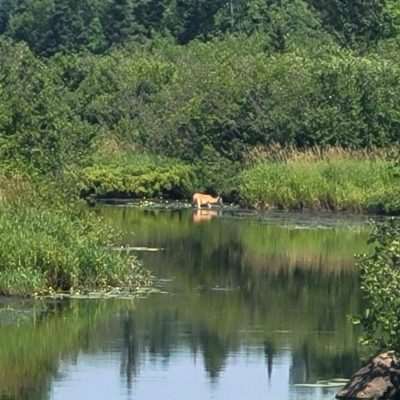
(251, 309)
(201, 215)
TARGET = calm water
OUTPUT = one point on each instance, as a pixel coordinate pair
(251, 307)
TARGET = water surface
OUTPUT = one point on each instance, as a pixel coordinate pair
(250, 307)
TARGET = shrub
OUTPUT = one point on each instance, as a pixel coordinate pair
(380, 286)
(138, 176)
(230, 95)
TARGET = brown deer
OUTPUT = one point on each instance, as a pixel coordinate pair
(201, 199)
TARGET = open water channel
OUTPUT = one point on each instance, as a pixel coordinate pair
(250, 307)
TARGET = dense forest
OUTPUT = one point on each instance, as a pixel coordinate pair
(52, 26)
(195, 79)
(162, 98)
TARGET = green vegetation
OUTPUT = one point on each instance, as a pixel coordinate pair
(193, 114)
(138, 176)
(335, 180)
(48, 246)
(380, 285)
(187, 91)
(207, 104)
(51, 26)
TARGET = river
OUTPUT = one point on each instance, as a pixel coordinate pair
(250, 306)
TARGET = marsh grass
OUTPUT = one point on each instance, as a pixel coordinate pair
(333, 179)
(48, 245)
(129, 174)
(289, 154)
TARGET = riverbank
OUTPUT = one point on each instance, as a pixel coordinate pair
(367, 186)
(330, 179)
(333, 178)
(51, 243)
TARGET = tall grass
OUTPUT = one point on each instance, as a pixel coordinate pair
(287, 154)
(51, 246)
(138, 175)
(334, 179)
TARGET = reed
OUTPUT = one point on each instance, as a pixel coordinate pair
(333, 179)
(287, 154)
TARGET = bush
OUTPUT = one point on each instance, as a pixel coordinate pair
(38, 127)
(380, 285)
(138, 176)
(223, 98)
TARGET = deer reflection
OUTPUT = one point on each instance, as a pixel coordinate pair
(200, 216)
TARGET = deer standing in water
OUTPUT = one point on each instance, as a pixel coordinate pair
(200, 199)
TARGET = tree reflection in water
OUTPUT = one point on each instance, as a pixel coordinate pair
(239, 291)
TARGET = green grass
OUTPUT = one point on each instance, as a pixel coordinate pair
(48, 246)
(340, 184)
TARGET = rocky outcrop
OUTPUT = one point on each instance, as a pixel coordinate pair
(379, 379)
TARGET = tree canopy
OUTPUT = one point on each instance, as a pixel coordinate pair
(51, 26)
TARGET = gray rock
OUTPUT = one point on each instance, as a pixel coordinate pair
(379, 379)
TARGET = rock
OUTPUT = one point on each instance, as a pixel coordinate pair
(379, 379)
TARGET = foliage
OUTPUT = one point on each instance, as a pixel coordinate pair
(52, 26)
(283, 25)
(380, 285)
(249, 74)
(51, 246)
(38, 128)
(359, 23)
(239, 98)
(138, 176)
(206, 101)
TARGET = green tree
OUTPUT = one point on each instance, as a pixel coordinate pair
(119, 22)
(191, 19)
(393, 9)
(285, 22)
(6, 7)
(37, 126)
(50, 26)
(357, 23)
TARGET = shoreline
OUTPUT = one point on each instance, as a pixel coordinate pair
(171, 204)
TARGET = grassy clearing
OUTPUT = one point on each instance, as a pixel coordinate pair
(334, 179)
(47, 247)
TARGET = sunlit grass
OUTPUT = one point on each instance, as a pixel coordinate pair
(334, 179)
(47, 246)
